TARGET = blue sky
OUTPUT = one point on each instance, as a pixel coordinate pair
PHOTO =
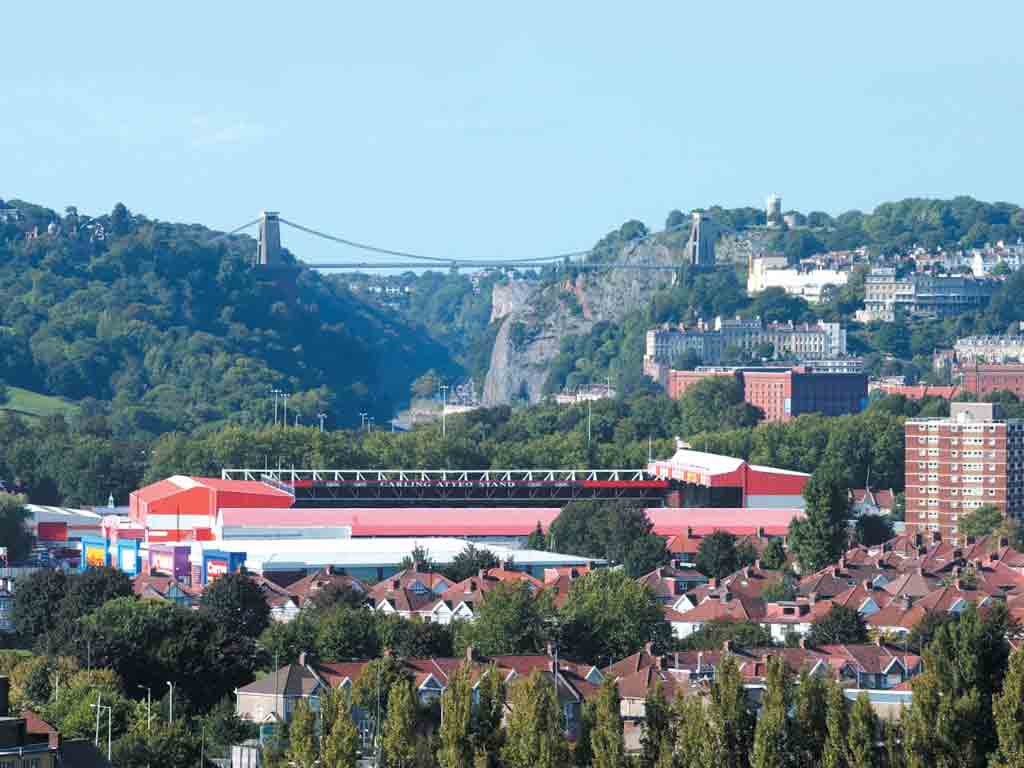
(463, 130)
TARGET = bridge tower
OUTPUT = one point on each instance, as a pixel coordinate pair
(268, 251)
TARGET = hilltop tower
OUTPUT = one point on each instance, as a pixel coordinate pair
(773, 210)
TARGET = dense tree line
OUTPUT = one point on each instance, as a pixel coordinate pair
(81, 462)
(161, 326)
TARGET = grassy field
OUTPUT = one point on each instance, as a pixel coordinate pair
(28, 403)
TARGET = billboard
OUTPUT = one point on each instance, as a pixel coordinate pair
(95, 555)
(128, 558)
(216, 569)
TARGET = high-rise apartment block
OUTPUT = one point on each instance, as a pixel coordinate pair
(955, 465)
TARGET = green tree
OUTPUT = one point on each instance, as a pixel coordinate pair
(14, 535)
(346, 633)
(615, 530)
(454, 735)
(85, 592)
(34, 601)
(469, 562)
(413, 638)
(715, 633)
(872, 530)
(657, 727)
(694, 747)
(839, 625)
(606, 742)
(773, 558)
(950, 720)
(488, 735)
(380, 676)
(982, 521)
(302, 744)
(582, 754)
(166, 745)
(732, 723)
(339, 741)
(534, 736)
(73, 713)
(772, 742)
(537, 539)
(809, 719)
(148, 642)
(862, 734)
(834, 750)
(819, 537)
(607, 616)
(714, 404)
(510, 619)
(1008, 713)
(717, 556)
(418, 559)
(235, 601)
(397, 745)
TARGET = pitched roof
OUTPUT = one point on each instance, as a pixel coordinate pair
(303, 589)
(289, 680)
(727, 606)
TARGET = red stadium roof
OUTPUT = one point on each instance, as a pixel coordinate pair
(401, 521)
(677, 521)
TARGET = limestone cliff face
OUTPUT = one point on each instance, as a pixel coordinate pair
(535, 316)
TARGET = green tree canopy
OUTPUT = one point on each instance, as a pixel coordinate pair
(819, 538)
(717, 556)
(534, 736)
(509, 619)
(469, 562)
(607, 616)
(611, 529)
(840, 625)
(234, 600)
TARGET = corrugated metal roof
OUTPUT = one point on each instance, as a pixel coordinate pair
(401, 521)
(283, 554)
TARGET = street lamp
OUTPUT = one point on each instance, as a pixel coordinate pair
(284, 421)
(444, 410)
(362, 420)
(149, 706)
(275, 392)
(321, 416)
(170, 710)
(109, 710)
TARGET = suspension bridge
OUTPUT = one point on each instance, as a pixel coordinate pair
(268, 251)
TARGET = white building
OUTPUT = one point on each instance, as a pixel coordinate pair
(773, 272)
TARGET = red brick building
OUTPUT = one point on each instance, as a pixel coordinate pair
(981, 380)
(783, 393)
(680, 381)
(955, 465)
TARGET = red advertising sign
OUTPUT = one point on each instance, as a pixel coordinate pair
(216, 569)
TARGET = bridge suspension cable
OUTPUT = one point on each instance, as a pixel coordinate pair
(453, 262)
(236, 230)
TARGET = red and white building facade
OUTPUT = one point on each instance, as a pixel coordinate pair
(759, 486)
